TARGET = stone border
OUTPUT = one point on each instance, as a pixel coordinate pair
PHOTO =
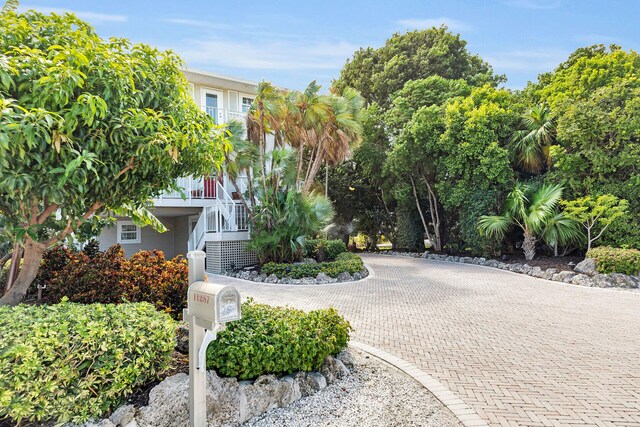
(463, 412)
(605, 281)
(365, 274)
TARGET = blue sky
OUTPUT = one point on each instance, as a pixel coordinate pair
(293, 42)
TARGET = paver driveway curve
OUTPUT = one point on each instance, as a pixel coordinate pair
(518, 350)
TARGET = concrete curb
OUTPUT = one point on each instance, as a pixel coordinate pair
(467, 416)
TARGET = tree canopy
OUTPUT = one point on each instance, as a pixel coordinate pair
(89, 125)
(378, 73)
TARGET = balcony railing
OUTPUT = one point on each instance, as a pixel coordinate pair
(194, 188)
(222, 116)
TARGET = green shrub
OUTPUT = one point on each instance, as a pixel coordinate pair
(322, 249)
(615, 260)
(277, 340)
(71, 362)
(345, 262)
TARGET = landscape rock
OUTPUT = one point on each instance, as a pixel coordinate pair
(223, 400)
(182, 338)
(536, 272)
(466, 260)
(581, 280)
(322, 279)
(548, 273)
(603, 281)
(271, 279)
(310, 382)
(587, 266)
(347, 359)
(491, 263)
(333, 369)
(168, 403)
(344, 277)
(102, 423)
(258, 396)
(624, 281)
(563, 276)
(123, 415)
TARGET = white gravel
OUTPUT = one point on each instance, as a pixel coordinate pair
(375, 394)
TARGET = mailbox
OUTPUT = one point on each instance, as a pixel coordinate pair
(209, 308)
(213, 303)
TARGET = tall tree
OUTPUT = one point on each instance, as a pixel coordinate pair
(378, 73)
(89, 125)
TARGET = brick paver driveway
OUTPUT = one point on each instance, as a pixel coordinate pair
(519, 350)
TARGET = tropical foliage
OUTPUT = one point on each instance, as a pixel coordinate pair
(289, 136)
(89, 126)
(527, 207)
(616, 260)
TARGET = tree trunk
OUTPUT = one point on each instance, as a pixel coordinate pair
(529, 245)
(424, 222)
(33, 252)
(555, 249)
(435, 216)
(14, 268)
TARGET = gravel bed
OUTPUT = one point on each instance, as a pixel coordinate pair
(375, 394)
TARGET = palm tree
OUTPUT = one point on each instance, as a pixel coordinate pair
(532, 142)
(528, 207)
(560, 230)
(335, 135)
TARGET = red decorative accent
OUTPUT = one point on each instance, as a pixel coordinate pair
(210, 187)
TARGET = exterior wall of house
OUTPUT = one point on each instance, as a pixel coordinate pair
(149, 239)
(181, 234)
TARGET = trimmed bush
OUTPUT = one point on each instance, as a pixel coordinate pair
(148, 276)
(92, 276)
(83, 279)
(345, 262)
(71, 362)
(323, 250)
(616, 260)
(277, 340)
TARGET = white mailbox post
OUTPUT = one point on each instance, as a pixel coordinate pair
(209, 307)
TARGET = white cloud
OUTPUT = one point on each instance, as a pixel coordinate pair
(197, 24)
(535, 4)
(417, 24)
(526, 60)
(93, 17)
(267, 55)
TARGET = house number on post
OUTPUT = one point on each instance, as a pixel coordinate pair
(209, 307)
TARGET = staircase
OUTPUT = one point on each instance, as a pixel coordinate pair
(224, 216)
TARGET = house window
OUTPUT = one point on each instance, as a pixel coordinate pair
(128, 232)
(246, 103)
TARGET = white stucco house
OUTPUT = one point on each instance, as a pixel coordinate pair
(211, 218)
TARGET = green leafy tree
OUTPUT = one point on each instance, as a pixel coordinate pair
(378, 73)
(595, 99)
(595, 215)
(527, 207)
(89, 126)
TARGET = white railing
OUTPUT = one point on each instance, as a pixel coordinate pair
(194, 188)
(226, 215)
(222, 116)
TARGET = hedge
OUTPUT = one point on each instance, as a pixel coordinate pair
(72, 362)
(323, 250)
(91, 276)
(616, 260)
(277, 340)
(345, 262)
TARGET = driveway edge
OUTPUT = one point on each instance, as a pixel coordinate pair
(465, 414)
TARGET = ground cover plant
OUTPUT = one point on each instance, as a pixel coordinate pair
(71, 362)
(345, 262)
(277, 340)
